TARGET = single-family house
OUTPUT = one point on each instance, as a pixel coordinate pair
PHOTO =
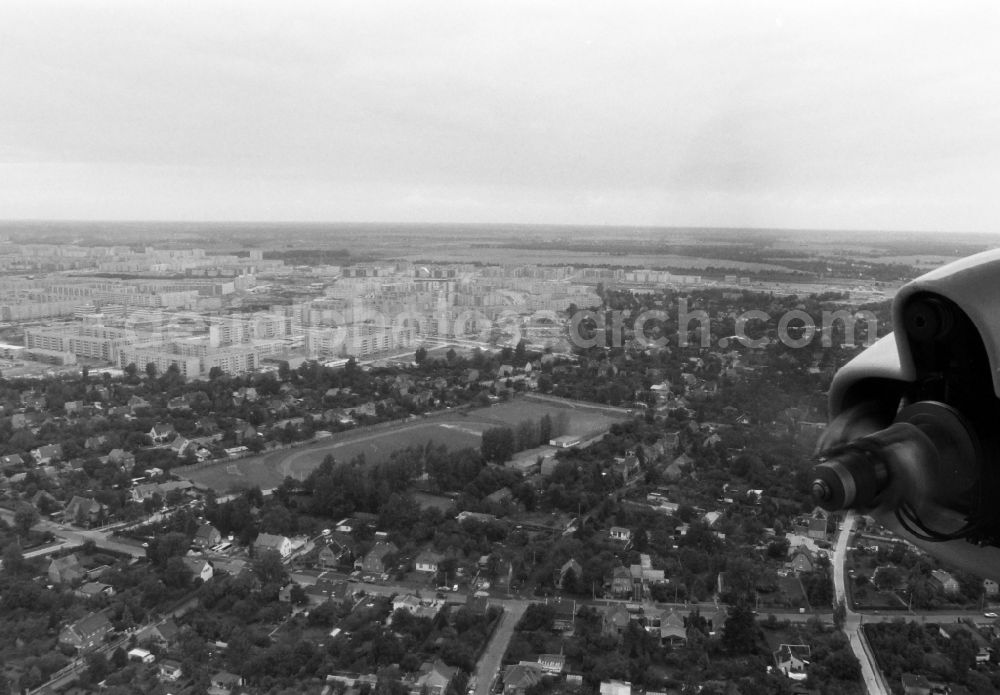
(672, 630)
(947, 582)
(224, 680)
(802, 561)
(326, 590)
(616, 619)
(333, 554)
(280, 544)
(87, 632)
(416, 606)
(435, 677)
(169, 670)
(621, 582)
(199, 568)
(570, 565)
(44, 455)
(620, 533)
(161, 633)
(518, 678)
(65, 570)
(137, 403)
(376, 559)
(95, 442)
(178, 403)
(161, 432)
(11, 462)
(181, 444)
(84, 511)
(428, 561)
(915, 684)
(91, 590)
(990, 587)
(792, 660)
(121, 458)
(207, 535)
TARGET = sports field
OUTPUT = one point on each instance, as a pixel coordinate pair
(454, 430)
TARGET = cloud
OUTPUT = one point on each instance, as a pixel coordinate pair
(777, 113)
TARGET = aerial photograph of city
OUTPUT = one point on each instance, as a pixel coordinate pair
(461, 347)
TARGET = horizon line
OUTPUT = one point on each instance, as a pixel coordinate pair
(555, 225)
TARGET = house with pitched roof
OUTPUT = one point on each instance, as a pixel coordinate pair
(44, 455)
(802, 560)
(333, 554)
(199, 568)
(518, 678)
(206, 536)
(181, 444)
(616, 619)
(280, 544)
(428, 561)
(326, 590)
(621, 582)
(121, 458)
(418, 607)
(915, 684)
(672, 630)
(87, 632)
(137, 403)
(83, 510)
(376, 558)
(792, 660)
(65, 570)
(947, 582)
(11, 462)
(162, 633)
(570, 565)
(620, 533)
(91, 590)
(161, 432)
(435, 677)
(225, 681)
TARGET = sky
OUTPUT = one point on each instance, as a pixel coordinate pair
(796, 114)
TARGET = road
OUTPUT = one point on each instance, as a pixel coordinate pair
(489, 664)
(874, 681)
(72, 536)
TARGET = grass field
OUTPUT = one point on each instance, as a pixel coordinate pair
(456, 431)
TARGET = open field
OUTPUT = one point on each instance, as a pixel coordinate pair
(455, 430)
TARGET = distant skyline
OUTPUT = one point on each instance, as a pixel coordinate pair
(818, 115)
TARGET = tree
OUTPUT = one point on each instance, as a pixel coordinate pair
(284, 371)
(420, 356)
(738, 633)
(25, 516)
(13, 558)
(97, 667)
(119, 659)
(267, 566)
(151, 370)
(839, 615)
(497, 444)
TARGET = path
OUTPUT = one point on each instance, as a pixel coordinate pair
(489, 664)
